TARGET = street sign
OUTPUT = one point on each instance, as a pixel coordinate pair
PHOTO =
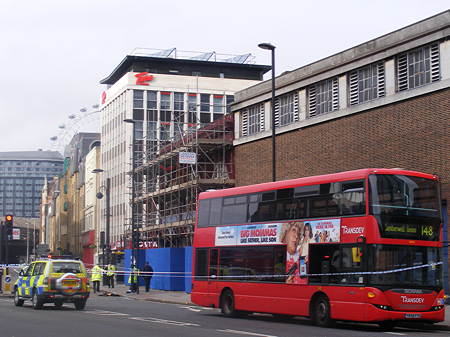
(6, 283)
(187, 158)
(16, 233)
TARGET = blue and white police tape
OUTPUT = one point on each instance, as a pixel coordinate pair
(434, 264)
(247, 276)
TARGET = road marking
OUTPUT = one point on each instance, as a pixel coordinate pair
(239, 332)
(396, 333)
(191, 308)
(162, 321)
(104, 313)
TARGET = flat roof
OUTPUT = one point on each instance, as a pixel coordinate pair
(31, 155)
(126, 65)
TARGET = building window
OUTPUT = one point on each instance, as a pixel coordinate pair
(139, 130)
(205, 118)
(323, 97)
(204, 103)
(252, 120)
(366, 84)
(165, 116)
(230, 100)
(218, 104)
(418, 67)
(138, 99)
(151, 100)
(178, 101)
(164, 132)
(165, 101)
(286, 109)
(192, 102)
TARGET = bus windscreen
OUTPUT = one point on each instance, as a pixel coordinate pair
(406, 207)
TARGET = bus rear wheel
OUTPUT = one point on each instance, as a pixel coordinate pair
(322, 312)
(227, 304)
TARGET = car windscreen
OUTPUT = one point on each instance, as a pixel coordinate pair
(67, 267)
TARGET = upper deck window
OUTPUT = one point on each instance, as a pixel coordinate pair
(345, 198)
(406, 207)
(403, 195)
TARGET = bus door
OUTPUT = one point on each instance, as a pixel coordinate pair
(213, 270)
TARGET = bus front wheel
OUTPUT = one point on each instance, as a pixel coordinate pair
(227, 303)
(322, 312)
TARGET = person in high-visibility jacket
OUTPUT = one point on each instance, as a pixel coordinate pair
(96, 277)
(133, 280)
(110, 272)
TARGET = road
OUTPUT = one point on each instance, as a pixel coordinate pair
(119, 317)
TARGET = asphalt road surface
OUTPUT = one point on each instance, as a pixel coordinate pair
(122, 317)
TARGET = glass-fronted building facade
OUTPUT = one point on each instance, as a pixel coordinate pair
(22, 176)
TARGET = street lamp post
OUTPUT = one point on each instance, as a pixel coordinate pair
(134, 228)
(108, 215)
(271, 47)
(55, 197)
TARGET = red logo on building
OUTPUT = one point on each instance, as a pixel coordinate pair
(143, 78)
(103, 97)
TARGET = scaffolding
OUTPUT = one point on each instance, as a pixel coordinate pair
(166, 189)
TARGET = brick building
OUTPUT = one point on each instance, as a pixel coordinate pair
(384, 103)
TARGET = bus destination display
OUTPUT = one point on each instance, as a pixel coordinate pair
(427, 232)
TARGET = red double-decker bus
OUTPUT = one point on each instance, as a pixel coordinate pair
(362, 245)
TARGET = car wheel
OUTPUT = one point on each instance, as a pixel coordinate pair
(35, 301)
(18, 302)
(79, 304)
(322, 312)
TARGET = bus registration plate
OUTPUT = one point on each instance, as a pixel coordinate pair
(413, 315)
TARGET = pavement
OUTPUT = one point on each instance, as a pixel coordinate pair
(164, 296)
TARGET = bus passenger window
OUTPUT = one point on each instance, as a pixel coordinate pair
(201, 264)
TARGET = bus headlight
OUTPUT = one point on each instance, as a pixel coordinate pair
(437, 307)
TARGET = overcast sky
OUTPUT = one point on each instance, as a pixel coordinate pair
(55, 52)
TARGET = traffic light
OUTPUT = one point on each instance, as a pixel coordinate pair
(9, 223)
